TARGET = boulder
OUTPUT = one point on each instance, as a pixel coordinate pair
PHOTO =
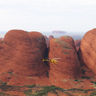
(67, 66)
(88, 50)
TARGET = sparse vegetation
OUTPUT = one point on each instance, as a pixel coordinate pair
(93, 93)
(3, 94)
(93, 82)
(66, 53)
(10, 73)
(28, 92)
(63, 43)
(30, 86)
(37, 90)
(85, 77)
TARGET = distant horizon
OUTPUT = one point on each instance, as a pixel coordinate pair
(74, 35)
(72, 32)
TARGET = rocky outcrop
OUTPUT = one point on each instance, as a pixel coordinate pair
(21, 63)
(58, 32)
(51, 37)
(22, 53)
(67, 66)
(77, 44)
(88, 50)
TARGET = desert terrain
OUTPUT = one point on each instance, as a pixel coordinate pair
(32, 64)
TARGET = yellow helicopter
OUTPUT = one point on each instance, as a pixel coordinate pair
(53, 60)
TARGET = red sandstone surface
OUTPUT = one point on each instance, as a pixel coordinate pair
(22, 67)
(21, 54)
(88, 49)
(68, 63)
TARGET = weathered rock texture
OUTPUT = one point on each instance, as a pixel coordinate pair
(88, 49)
(22, 53)
(67, 67)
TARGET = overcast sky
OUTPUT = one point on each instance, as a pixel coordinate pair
(48, 15)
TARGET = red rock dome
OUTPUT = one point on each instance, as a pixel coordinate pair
(22, 53)
(67, 66)
(88, 49)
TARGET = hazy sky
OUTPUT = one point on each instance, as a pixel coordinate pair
(48, 15)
